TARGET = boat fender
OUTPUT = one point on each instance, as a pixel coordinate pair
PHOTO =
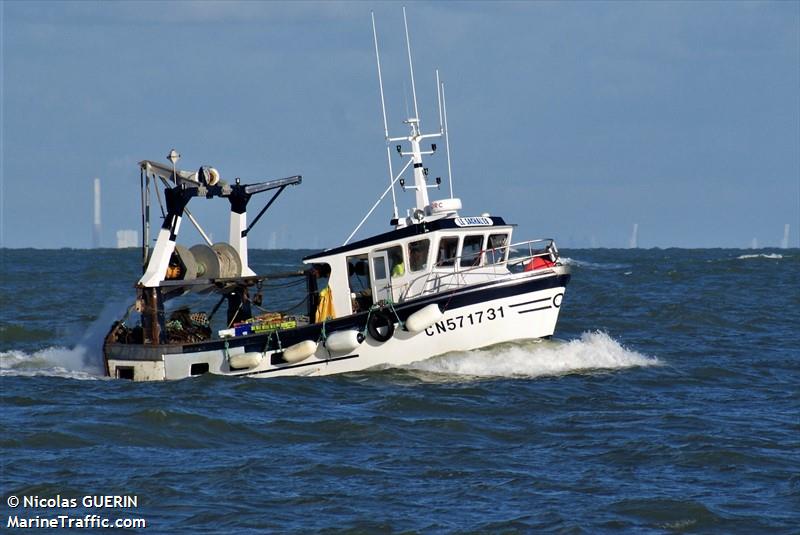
(424, 318)
(378, 320)
(344, 341)
(299, 351)
(245, 360)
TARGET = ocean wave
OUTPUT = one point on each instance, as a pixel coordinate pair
(11, 334)
(773, 256)
(594, 351)
(84, 360)
(71, 363)
(591, 265)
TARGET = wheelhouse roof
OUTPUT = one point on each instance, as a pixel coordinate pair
(417, 229)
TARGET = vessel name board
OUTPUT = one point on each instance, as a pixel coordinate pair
(474, 222)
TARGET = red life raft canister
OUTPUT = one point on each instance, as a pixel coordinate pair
(539, 263)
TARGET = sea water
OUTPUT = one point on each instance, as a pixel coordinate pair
(666, 402)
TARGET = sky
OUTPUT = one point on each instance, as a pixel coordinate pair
(573, 120)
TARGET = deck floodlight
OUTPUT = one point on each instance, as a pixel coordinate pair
(403, 183)
(173, 156)
(400, 150)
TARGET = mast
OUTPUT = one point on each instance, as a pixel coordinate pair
(414, 139)
(423, 208)
(385, 124)
(447, 140)
(420, 180)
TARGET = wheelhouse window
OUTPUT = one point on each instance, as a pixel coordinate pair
(418, 254)
(360, 284)
(358, 273)
(397, 267)
(448, 249)
(379, 268)
(471, 251)
(496, 248)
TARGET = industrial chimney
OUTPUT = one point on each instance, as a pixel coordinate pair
(634, 241)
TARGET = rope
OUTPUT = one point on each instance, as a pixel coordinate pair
(297, 282)
(387, 304)
(235, 314)
(396, 315)
(158, 195)
(294, 307)
(266, 345)
(285, 311)
(323, 334)
(369, 313)
(447, 304)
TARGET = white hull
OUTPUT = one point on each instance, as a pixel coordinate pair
(521, 316)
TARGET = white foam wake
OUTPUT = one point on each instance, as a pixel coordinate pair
(593, 351)
(83, 361)
(72, 363)
(590, 265)
(774, 256)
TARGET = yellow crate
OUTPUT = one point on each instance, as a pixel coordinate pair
(274, 326)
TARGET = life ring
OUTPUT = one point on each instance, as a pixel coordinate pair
(380, 319)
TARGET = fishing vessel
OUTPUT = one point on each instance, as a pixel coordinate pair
(437, 281)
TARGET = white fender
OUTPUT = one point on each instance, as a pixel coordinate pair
(344, 341)
(299, 351)
(245, 360)
(424, 318)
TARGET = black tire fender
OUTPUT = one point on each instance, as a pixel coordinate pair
(378, 320)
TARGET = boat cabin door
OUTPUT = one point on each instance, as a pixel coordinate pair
(380, 275)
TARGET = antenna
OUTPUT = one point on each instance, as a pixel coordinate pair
(383, 109)
(380, 78)
(447, 141)
(439, 97)
(410, 65)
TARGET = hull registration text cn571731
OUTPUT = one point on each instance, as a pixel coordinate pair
(459, 322)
